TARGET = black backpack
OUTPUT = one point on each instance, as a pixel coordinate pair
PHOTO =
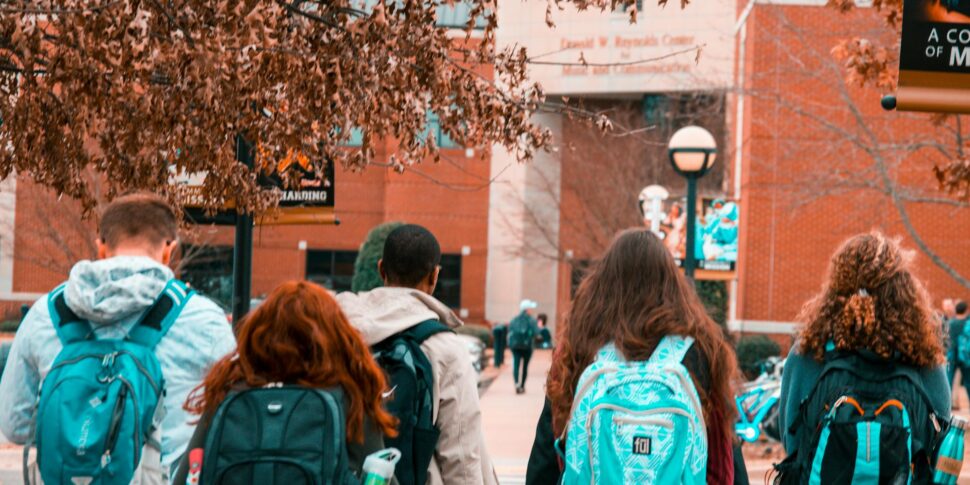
(522, 333)
(411, 381)
(867, 420)
(283, 435)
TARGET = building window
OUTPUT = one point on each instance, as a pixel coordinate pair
(456, 16)
(208, 270)
(356, 138)
(656, 109)
(333, 270)
(448, 290)
(433, 129)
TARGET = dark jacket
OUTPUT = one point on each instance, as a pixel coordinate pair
(356, 452)
(724, 455)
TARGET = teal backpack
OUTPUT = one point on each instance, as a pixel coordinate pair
(522, 332)
(101, 402)
(637, 422)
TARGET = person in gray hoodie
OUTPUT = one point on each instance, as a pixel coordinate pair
(137, 236)
(410, 268)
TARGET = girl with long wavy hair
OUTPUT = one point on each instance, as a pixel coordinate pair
(300, 336)
(873, 313)
(633, 297)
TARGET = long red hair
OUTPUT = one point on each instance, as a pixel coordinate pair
(300, 336)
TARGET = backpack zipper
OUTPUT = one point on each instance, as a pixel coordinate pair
(103, 357)
(114, 428)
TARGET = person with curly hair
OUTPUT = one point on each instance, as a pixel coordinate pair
(873, 312)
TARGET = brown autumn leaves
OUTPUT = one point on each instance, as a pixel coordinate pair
(142, 90)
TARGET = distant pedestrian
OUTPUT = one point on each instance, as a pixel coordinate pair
(446, 442)
(867, 369)
(958, 354)
(523, 331)
(297, 337)
(545, 336)
(641, 385)
(122, 319)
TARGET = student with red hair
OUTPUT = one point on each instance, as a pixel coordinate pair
(299, 336)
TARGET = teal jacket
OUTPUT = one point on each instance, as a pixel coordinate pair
(112, 294)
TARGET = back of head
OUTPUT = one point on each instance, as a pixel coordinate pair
(633, 297)
(299, 335)
(411, 254)
(872, 301)
(961, 308)
(139, 219)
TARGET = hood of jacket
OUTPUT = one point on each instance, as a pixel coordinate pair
(382, 312)
(109, 291)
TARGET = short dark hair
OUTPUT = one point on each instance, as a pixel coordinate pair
(142, 217)
(542, 317)
(411, 253)
(961, 307)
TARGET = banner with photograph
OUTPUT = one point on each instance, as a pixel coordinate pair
(716, 238)
(934, 59)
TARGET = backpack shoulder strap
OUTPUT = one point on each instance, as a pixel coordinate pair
(425, 330)
(160, 317)
(70, 328)
(671, 348)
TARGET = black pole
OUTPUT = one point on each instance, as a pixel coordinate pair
(242, 264)
(689, 257)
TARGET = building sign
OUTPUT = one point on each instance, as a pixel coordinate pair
(591, 52)
(934, 60)
(309, 201)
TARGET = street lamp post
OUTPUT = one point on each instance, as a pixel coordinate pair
(692, 151)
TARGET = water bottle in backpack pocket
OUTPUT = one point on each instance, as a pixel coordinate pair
(637, 422)
(100, 404)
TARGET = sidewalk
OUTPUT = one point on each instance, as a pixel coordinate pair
(509, 419)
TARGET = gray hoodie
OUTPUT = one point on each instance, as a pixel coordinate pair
(460, 458)
(112, 294)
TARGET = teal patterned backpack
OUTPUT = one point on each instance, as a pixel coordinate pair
(637, 422)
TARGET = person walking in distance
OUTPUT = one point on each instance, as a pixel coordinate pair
(959, 351)
(412, 335)
(864, 393)
(523, 330)
(121, 335)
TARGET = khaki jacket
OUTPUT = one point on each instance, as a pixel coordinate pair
(460, 458)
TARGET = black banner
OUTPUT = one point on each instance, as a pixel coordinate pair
(936, 36)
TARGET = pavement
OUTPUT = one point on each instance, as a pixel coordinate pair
(509, 419)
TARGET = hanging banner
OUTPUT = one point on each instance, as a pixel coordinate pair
(934, 60)
(716, 238)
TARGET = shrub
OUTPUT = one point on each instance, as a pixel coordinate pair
(752, 350)
(366, 276)
(9, 326)
(714, 296)
(482, 332)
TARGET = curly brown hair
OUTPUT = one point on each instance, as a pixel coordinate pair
(871, 300)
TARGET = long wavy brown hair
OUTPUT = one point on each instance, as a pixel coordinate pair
(300, 336)
(633, 297)
(871, 301)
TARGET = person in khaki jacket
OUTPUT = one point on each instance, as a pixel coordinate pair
(410, 268)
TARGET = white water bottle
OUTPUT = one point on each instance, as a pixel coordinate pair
(379, 466)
